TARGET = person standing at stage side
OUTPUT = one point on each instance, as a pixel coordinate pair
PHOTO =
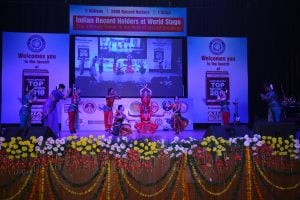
(178, 123)
(274, 108)
(120, 128)
(25, 111)
(73, 110)
(108, 112)
(224, 106)
(50, 117)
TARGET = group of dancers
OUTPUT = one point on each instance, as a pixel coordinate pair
(114, 122)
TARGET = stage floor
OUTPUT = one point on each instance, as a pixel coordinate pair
(158, 135)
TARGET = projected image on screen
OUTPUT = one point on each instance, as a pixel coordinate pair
(126, 64)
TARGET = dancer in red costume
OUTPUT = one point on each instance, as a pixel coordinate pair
(145, 125)
(73, 110)
(108, 112)
(145, 94)
(178, 123)
(224, 106)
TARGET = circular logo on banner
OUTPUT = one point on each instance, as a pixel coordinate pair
(184, 107)
(166, 105)
(158, 121)
(36, 43)
(154, 107)
(135, 107)
(217, 46)
(89, 107)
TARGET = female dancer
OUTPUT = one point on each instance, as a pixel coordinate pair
(73, 110)
(119, 128)
(108, 112)
(145, 94)
(25, 111)
(178, 123)
(145, 125)
(225, 112)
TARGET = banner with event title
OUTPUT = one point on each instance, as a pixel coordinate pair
(91, 115)
(216, 63)
(132, 21)
(31, 59)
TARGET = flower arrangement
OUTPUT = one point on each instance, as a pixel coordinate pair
(217, 146)
(50, 146)
(118, 148)
(283, 147)
(148, 149)
(297, 149)
(17, 148)
(254, 142)
(179, 147)
(2, 139)
(86, 145)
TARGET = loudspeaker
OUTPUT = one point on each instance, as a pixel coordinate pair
(227, 132)
(15, 131)
(282, 129)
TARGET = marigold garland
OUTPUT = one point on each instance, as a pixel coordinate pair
(33, 189)
(78, 184)
(42, 183)
(22, 187)
(148, 195)
(173, 197)
(198, 180)
(11, 181)
(168, 171)
(50, 194)
(192, 162)
(72, 191)
(121, 181)
(275, 186)
(248, 175)
(257, 188)
(239, 181)
(108, 181)
(184, 185)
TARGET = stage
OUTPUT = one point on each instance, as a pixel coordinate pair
(212, 163)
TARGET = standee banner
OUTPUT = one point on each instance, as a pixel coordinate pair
(31, 59)
(132, 21)
(91, 116)
(217, 63)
